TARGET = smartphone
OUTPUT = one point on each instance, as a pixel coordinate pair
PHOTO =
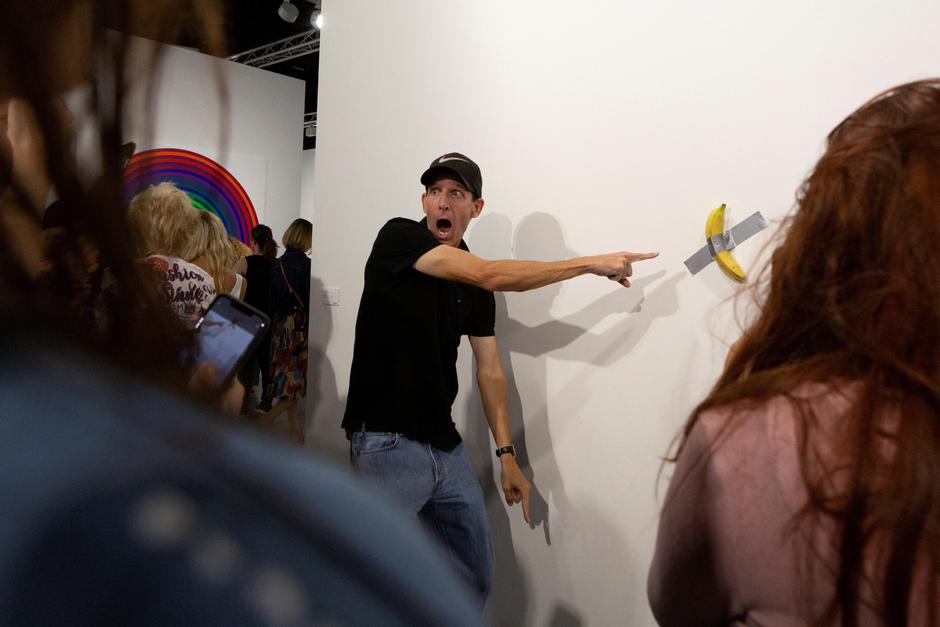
(227, 334)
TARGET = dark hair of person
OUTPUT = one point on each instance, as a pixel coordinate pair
(262, 236)
(299, 235)
(851, 300)
(142, 335)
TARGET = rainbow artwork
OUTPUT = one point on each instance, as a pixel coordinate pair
(210, 186)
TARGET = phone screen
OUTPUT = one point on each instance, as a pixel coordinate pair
(226, 333)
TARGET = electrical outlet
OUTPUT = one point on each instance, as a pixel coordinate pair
(330, 296)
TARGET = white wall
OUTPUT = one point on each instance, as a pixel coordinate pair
(306, 184)
(261, 145)
(599, 126)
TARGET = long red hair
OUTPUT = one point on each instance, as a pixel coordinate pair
(853, 295)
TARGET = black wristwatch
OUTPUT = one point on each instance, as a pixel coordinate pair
(506, 449)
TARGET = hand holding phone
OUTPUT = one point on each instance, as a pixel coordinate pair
(228, 400)
(227, 334)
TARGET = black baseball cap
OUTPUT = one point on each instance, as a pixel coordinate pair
(466, 170)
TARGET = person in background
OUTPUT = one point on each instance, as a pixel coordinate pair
(126, 500)
(167, 231)
(86, 267)
(289, 299)
(807, 485)
(209, 248)
(257, 271)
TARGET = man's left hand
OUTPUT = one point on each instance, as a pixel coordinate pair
(515, 486)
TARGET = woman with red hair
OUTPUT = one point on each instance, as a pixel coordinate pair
(807, 484)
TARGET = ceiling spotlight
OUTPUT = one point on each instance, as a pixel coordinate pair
(310, 131)
(316, 19)
(288, 11)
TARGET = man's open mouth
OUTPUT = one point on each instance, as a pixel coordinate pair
(443, 227)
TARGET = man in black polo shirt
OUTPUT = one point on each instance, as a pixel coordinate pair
(423, 291)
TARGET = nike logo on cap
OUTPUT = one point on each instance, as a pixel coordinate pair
(445, 159)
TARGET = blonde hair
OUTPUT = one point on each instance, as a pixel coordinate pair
(299, 235)
(239, 249)
(162, 218)
(209, 240)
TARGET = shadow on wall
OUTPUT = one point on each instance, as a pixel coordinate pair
(324, 407)
(539, 236)
(564, 616)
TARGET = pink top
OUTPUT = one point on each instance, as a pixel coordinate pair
(726, 553)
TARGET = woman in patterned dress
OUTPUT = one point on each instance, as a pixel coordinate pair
(290, 306)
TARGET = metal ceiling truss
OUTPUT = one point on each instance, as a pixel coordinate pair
(282, 50)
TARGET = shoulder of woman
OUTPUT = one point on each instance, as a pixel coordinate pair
(230, 280)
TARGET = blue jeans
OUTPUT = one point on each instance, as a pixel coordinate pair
(440, 488)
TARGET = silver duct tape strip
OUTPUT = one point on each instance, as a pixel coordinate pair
(699, 260)
(721, 242)
(753, 224)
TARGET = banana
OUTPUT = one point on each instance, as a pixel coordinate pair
(715, 225)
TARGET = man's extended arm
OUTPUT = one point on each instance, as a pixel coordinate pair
(492, 383)
(510, 275)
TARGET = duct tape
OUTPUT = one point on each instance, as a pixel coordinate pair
(721, 242)
(728, 240)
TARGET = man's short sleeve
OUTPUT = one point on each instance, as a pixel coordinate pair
(400, 243)
(482, 319)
